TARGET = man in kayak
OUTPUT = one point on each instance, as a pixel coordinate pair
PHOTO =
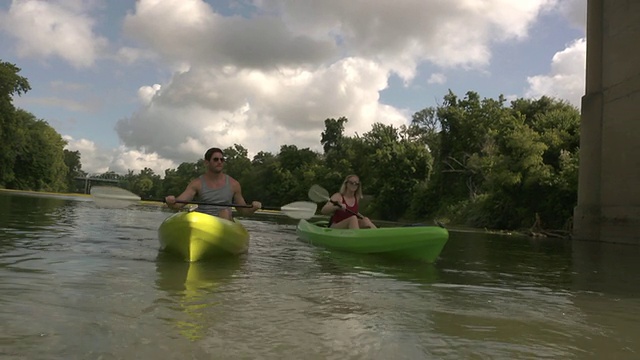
(215, 187)
(344, 206)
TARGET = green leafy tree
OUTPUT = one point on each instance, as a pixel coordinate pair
(558, 126)
(273, 184)
(425, 128)
(39, 162)
(333, 133)
(302, 165)
(11, 83)
(74, 165)
(257, 184)
(237, 163)
(512, 169)
(292, 158)
(11, 132)
(466, 126)
(333, 142)
(146, 184)
(143, 186)
(176, 180)
(397, 165)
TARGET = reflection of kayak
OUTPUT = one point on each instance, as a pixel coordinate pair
(340, 263)
(195, 236)
(192, 289)
(408, 242)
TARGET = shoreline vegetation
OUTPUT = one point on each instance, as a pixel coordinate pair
(87, 196)
(535, 232)
(483, 163)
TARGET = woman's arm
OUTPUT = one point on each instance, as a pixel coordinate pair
(330, 207)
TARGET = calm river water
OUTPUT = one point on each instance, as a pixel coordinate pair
(80, 282)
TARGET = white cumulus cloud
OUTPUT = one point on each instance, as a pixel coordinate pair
(271, 73)
(61, 29)
(575, 11)
(272, 78)
(566, 80)
(437, 78)
(96, 160)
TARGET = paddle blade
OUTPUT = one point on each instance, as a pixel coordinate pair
(300, 209)
(113, 197)
(318, 194)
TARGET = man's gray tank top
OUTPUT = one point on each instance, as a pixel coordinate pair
(222, 195)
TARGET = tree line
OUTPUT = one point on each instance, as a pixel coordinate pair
(475, 161)
(32, 154)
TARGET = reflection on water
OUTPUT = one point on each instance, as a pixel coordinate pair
(337, 263)
(77, 281)
(25, 218)
(606, 268)
(191, 289)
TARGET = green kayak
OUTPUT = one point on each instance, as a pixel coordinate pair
(408, 242)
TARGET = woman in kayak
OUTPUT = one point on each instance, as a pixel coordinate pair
(344, 206)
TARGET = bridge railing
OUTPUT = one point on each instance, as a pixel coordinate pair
(110, 178)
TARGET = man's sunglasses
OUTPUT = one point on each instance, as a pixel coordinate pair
(216, 159)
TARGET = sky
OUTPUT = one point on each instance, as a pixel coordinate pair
(154, 83)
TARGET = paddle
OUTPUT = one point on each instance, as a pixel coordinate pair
(318, 194)
(115, 197)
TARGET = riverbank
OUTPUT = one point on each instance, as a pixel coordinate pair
(531, 233)
(45, 193)
(87, 197)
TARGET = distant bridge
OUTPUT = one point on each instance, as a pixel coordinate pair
(108, 177)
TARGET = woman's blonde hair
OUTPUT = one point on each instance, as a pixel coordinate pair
(343, 187)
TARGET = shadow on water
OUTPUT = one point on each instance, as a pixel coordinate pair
(192, 290)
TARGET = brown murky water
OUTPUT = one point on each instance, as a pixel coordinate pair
(81, 282)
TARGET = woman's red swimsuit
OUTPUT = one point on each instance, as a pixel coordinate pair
(342, 214)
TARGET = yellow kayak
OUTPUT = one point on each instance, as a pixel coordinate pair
(196, 236)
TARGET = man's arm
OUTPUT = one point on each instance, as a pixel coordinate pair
(187, 195)
(239, 199)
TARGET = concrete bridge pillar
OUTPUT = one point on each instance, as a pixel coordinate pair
(608, 207)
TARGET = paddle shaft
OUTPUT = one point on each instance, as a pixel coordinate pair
(276, 208)
(347, 210)
(115, 197)
(295, 210)
(318, 193)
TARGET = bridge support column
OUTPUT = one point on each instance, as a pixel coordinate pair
(609, 183)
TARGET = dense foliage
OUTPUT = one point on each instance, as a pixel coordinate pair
(478, 162)
(32, 154)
